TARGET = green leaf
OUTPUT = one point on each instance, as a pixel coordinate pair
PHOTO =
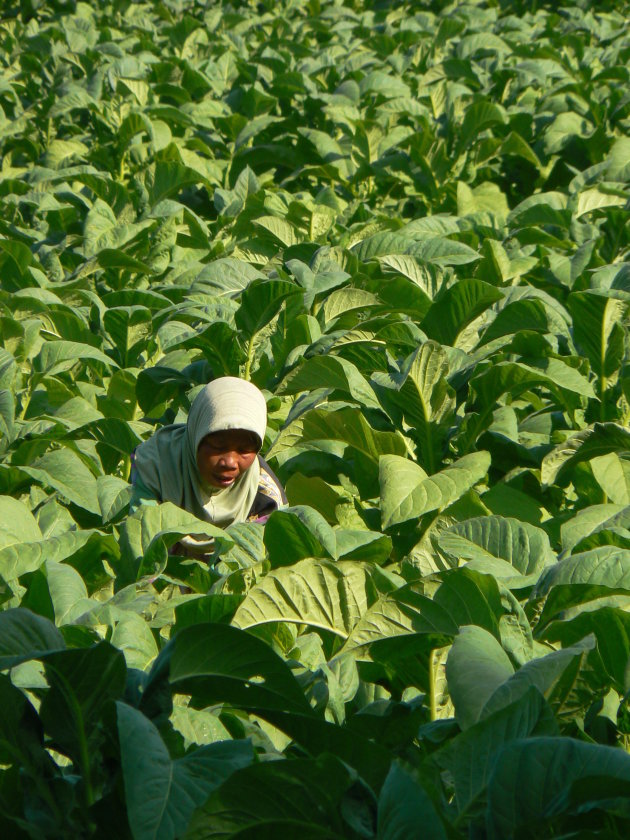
(471, 756)
(470, 598)
(479, 117)
(476, 667)
(17, 523)
(598, 329)
(163, 524)
(24, 636)
(297, 532)
(113, 496)
(582, 578)
(217, 663)
(612, 473)
(588, 521)
(64, 471)
(20, 558)
(57, 356)
(408, 493)
(261, 301)
(81, 682)
(329, 372)
(168, 177)
(231, 202)
(402, 613)
(318, 593)
(600, 439)
(20, 731)
(133, 637)
(162, 794)
(426, 399)
(347, 425)
(611, 627)
(516, 377)
(542, 770)
(522, 550)
(554, 675)
(296, 797)
(404, 806)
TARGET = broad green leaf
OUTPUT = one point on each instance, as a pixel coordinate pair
(611, 627)
(329, 372)
(425, 398)
(297, 532)
(554, 675)
(524, 549)
(347, 425)
(17, 523)
(57, 356)
(593, 442)
(471, 756)
(82, 681)
(612, 473)
(598, 329)
(277, 799)
(133, 637)
(113, 496)
(64, 471)
(162, 794)
(457, 307)
(167, 177)
(261, 301)
(470, 598)
(480, 116)
(24, 636)
(198, 726)
(476, 667)
(516, 377)
(318, 593)
(165, 522)
(408, 493)
(67, 591)
(588, 521)
(583, 578)
(404, 612)
(231, 202)
(20, 558)
(20, 730)
(404, 806)
(543, 770)
(217, 663)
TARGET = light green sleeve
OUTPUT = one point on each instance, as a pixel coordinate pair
(141, 495)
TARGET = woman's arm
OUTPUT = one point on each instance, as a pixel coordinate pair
(140, 494)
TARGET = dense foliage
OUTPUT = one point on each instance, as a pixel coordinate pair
(407, 223)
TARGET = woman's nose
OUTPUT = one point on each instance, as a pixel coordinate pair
(229, 459)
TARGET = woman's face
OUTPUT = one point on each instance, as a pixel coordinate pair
(222, 457)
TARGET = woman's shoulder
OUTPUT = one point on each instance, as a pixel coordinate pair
(270, 495)
(269, 484)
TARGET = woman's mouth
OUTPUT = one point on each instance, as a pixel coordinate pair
(224, 480)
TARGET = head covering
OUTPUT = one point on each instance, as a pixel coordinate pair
(167, 462)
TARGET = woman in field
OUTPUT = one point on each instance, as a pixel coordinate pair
(210, 465)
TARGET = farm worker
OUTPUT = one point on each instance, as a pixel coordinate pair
(210, 465)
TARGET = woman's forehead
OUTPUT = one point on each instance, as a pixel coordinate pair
(231, 436)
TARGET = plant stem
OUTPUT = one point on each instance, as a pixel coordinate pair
(250, 358)
(432, 707)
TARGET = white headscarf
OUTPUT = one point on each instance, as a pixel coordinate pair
(167, 462)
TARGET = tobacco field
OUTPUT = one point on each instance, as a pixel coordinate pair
(407, 223)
